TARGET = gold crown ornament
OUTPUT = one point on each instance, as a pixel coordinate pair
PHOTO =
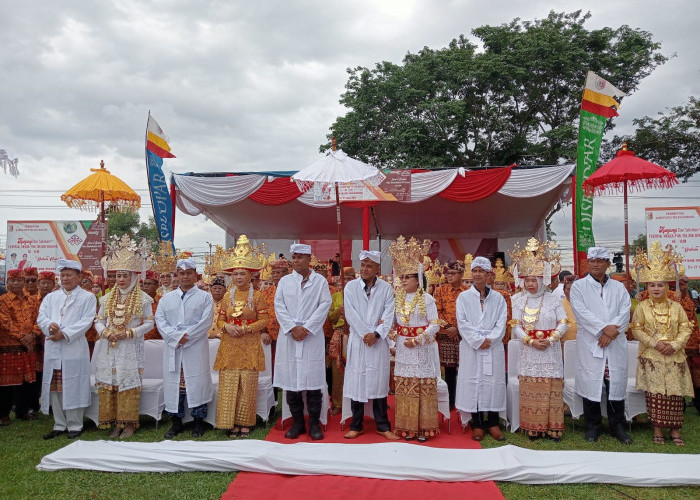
(123, 254)
(501, 274)
(408, 255)
(165, 260)
(468, 258)
(318, 265)
(245, 256)
(433, 271)
(658, 264)
(266, 271)
(215, 262)
(539, 259)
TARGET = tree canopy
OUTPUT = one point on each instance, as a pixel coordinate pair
(670, 139)
(515, 98)
(120, 223)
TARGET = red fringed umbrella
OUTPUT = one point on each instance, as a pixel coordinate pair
(624, 172)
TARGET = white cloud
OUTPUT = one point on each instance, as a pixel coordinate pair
(244, 85)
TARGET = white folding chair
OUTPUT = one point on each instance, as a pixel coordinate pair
(513, 387)
(572, 400)
(635, 400)
(442, 390)
(266, 394)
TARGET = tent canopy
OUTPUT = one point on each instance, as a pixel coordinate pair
(501, 202)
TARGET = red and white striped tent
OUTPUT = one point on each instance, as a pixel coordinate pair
(494, 203)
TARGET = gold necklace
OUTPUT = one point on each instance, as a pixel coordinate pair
(530, 315)
(661, 313)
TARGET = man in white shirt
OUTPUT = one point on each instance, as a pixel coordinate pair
(602, 310)
(369, 310)
(64, 317)
(183, 318)
(302, 301)
(481, 378)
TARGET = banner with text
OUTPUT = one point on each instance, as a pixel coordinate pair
(680, 228)
(600, 102)
(40, 243)
(157, 148)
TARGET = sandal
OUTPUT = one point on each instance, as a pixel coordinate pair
(658, 440)
(677, 441)
(234, 433)
(245, 433)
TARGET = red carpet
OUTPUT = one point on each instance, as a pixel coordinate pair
(256, 486)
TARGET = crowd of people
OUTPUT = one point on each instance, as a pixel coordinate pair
(361, 337)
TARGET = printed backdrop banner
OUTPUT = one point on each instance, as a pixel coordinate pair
(40, 243)
(680, 228)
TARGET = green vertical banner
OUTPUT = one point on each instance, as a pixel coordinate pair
(590, 135)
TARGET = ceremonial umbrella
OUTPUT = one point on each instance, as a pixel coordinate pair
(334, 169)
(625, 170)
(92, 192)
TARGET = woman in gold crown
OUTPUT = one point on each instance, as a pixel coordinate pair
(242, 317)
(539, 321)
(417, 323)
(124, 317)
(662, 328)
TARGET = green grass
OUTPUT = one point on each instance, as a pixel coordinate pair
(573, 440)
(22, 447)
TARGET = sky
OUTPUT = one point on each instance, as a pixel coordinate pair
(244, 86)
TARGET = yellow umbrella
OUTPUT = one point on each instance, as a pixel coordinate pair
(92, 192)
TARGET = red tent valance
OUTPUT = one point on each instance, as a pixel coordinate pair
(476, 185)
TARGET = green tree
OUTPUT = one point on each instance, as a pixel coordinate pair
(120, 223)
(515, 100)
(639, 242)
(670, 139)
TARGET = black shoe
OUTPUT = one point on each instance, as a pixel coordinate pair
(198, 428)
(621, 434)
(74, 434)
(591, 436)
(53, 434)
(296, 430)
(315, 431)
(175, 429)
(422, 439)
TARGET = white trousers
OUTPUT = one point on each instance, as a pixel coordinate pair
(65, 419)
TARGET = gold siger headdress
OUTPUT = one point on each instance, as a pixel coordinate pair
(468, 258)
(657, 265)
(165, 260)
(536, 259)
(433, 271)
(245, 256)
(501, 274)
(408, 255)
(123, 254)
(215, 263)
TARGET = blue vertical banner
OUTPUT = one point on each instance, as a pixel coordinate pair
(157, 148)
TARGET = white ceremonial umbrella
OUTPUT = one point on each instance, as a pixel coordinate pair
(335, 168)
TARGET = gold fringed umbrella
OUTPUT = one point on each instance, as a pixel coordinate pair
(92, 192)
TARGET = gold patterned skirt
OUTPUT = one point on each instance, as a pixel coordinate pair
(542, 406)
(416, 406)
(238, 395)
(118, 407)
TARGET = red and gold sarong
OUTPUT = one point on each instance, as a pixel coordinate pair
(542, 406)
(118, 407)
(416, 406)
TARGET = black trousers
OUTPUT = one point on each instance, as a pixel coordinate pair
(451, 381)
(19, 395)
(381, 417)
(593, 416)
(479, 422)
